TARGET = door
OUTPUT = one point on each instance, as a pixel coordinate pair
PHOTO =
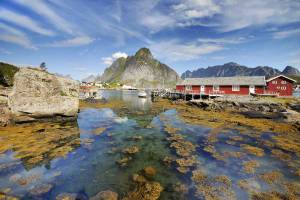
(252, 89)
(202, 89)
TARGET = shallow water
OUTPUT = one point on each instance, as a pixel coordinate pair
(43, 160)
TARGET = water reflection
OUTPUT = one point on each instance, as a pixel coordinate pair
(130, 97)
(121, 148)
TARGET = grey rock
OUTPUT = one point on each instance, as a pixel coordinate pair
(38, 94)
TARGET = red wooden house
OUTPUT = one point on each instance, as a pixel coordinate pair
(280, 84)
(237, 85)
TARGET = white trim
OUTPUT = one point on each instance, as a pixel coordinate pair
(270, 79)
(235, 88)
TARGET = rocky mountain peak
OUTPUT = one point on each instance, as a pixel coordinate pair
(289, 70)
(143, 54)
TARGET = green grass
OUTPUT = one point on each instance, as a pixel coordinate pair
(7, 73)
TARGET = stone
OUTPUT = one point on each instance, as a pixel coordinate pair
(41, 189)
(39, 94)
(67, 196)
(139, 178)
(105, 195)
(124, 161)
(146, 191)
(150, 171)
(131, 150)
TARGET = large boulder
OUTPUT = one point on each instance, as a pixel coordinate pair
(39, 94)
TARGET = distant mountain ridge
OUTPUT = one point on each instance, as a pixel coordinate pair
(140, 70)
(234, 69)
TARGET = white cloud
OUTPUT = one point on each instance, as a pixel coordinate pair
(156, 21)
(285, 34)
(174, 50)
(119, 55)
(224, 16)
(232, 40)
(15, 36)
(41, 8)
(76, 41)
(24, 21)
(109, 60)
(191, 9)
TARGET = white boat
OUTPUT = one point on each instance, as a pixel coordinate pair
(142, 94)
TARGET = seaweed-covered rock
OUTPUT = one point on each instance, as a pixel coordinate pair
(105, 195)
(146, 191)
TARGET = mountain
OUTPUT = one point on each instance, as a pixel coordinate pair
(140, 70)
(288, 70)
(90, 78)
(234, 69)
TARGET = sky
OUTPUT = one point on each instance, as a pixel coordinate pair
(83, 37)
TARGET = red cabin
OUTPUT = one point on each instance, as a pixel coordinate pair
(281, 85)
(237, 85)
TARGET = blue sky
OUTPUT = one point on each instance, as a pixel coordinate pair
(82, 37)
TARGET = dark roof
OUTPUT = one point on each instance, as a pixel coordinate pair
(235, 80)
(272, 78)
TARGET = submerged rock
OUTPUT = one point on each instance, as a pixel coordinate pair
(124, 161)
(41, 189)
(139, 178)
(39, 94)
(105, 195)
(146, 191)
(67, 196)
(131, 150)
(150, 171)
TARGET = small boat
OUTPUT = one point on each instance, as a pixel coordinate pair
(142, 94)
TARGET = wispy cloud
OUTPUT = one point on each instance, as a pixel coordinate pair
(4, 51)
(109, 60)
(287, 33)
(15, 36)
(227, 40)
(174, 50)
(45, 10)
(76, 41)
(24, 21)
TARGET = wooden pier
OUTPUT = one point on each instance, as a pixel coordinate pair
(186, 95)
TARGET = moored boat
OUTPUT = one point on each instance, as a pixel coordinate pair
(142, 94)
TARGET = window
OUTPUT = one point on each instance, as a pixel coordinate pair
(278, 87)
(188, 87)
(283, 88)
(274, 82)
(235, 88)
(216, 88)
(283, 82)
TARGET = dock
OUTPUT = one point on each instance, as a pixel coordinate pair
(186, 95)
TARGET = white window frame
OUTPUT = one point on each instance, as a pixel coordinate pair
(283, 82)
(274, 82)
(216, 88)
(188, 87)
(235, 88)
(283, 88)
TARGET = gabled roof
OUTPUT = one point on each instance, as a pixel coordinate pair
(234, 80)
(272, 78)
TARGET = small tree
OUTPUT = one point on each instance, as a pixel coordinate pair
(43, 66)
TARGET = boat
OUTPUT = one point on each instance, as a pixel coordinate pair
(142, 94)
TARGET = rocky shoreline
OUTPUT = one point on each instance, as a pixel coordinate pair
(287, 110)
(37, 95)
